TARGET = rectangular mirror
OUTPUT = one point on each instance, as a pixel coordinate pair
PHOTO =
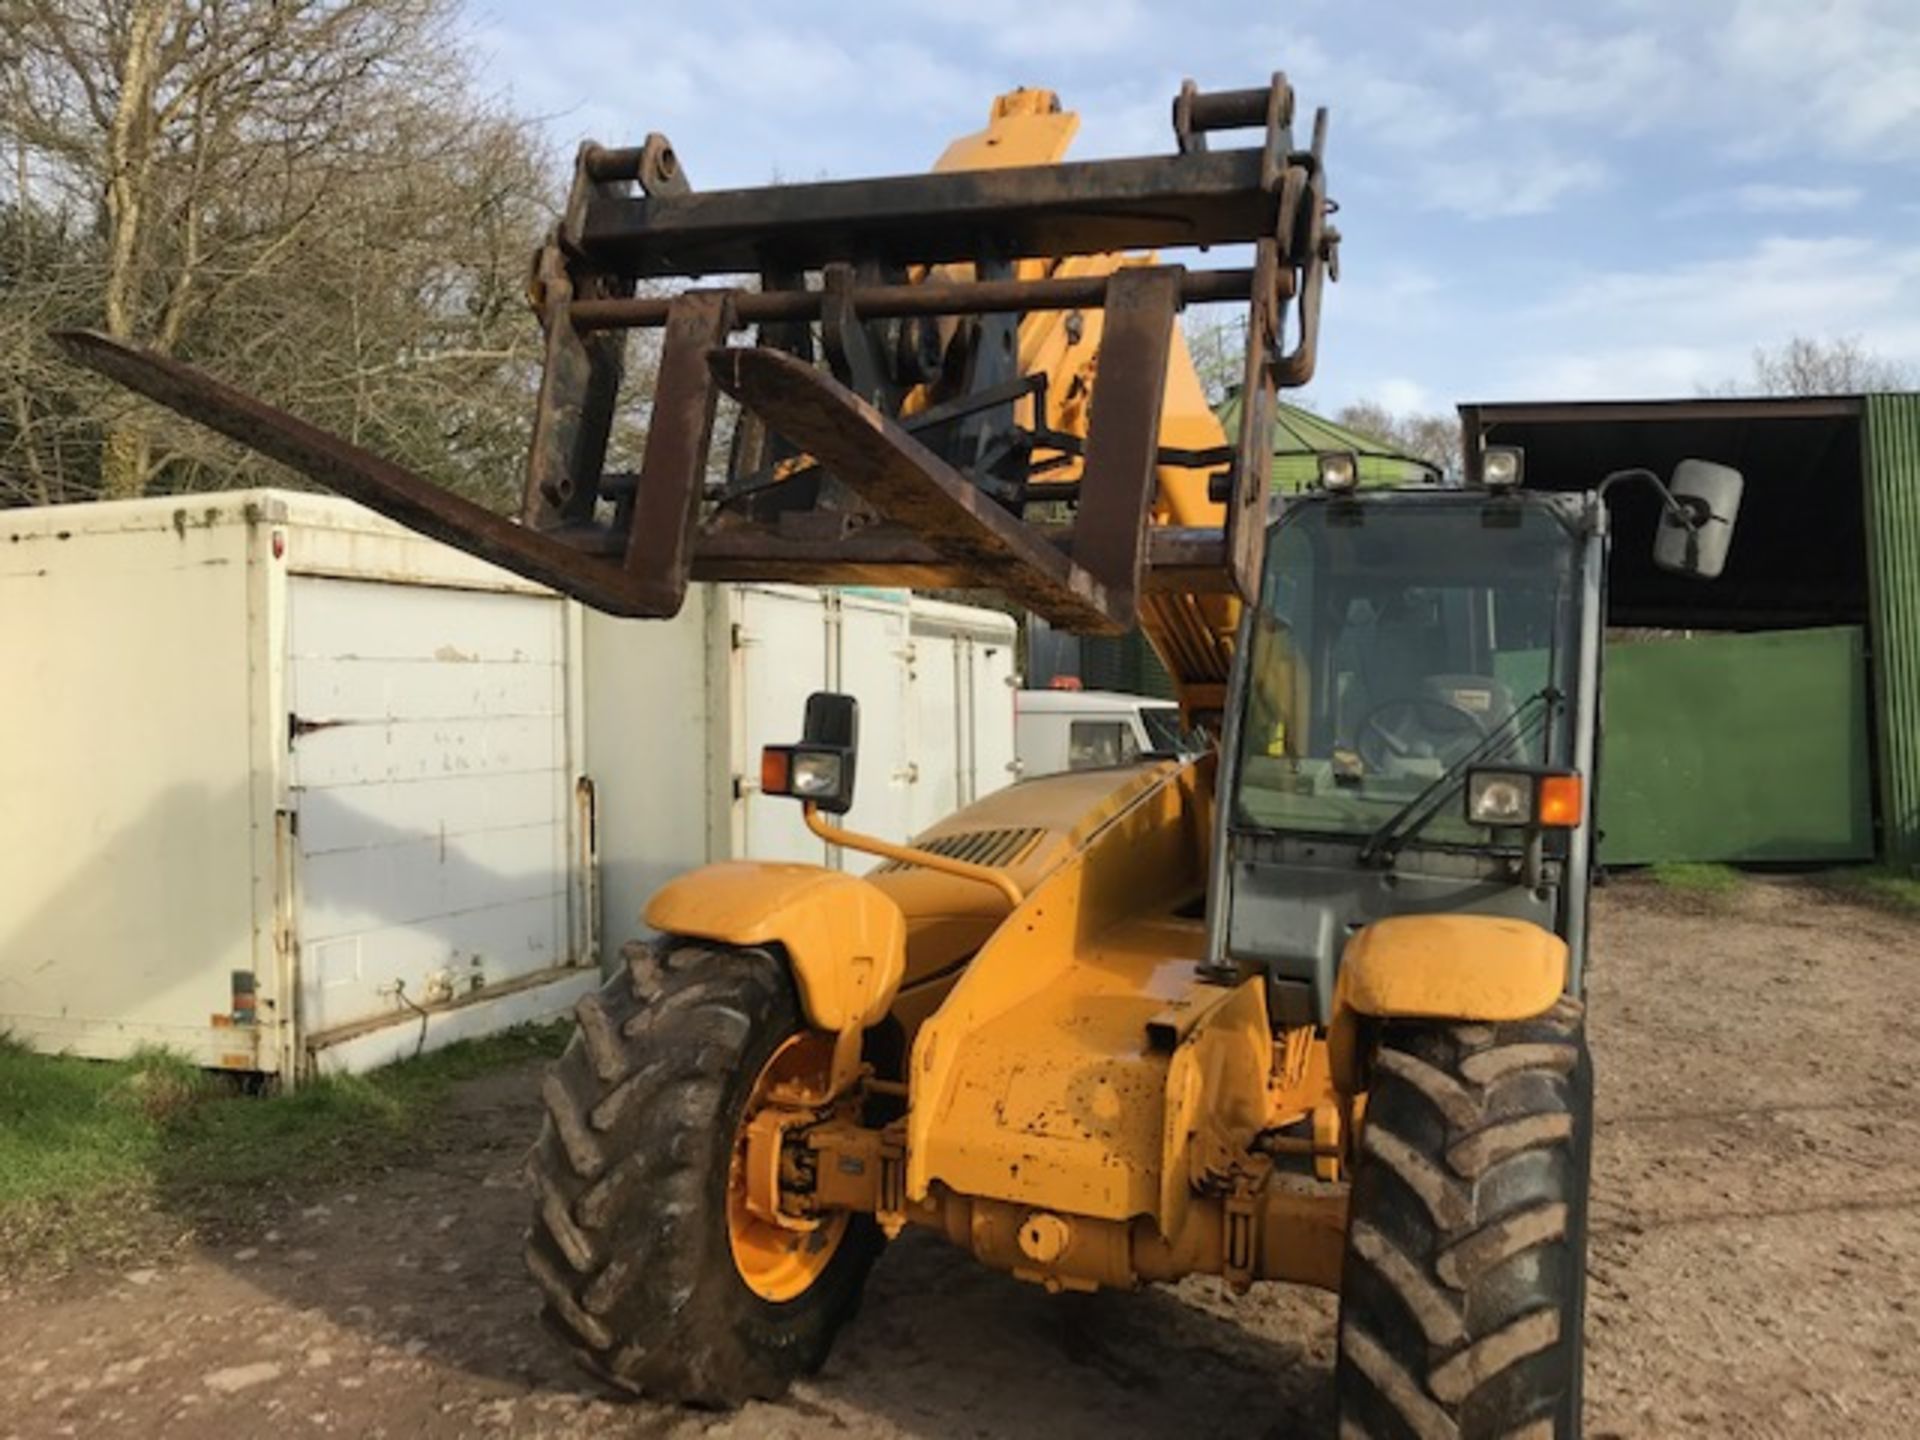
(832, 719)
(1710, 494)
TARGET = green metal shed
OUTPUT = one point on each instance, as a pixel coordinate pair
(1891, 472)
(1774, 714)
(1300, 437)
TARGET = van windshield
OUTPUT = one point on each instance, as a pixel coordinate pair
(1164, 735)
(1392, 637)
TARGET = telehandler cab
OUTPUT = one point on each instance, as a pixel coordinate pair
(1305, 1008)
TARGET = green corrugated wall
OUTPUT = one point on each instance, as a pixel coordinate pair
(1891, 462)
(1737, 748)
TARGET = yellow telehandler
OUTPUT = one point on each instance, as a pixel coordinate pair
(1306, 1008)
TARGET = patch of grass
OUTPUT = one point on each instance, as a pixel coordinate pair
(87, 1147)
(339, 1122)
(1878, 885)
(69, 1126)
(1695, 878)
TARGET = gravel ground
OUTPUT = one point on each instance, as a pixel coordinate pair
(1755, 1265)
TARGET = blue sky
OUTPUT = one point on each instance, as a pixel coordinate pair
(1614, 198)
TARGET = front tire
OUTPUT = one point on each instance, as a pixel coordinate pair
(631, 1243)
(1463, 1291)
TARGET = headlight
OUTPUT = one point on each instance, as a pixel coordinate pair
(1339, 471)
(1498, 799)
(814, 772)
(1523, 798)
(1500, 467)
(820, 769)
(819, 774)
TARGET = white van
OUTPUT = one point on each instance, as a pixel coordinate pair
(1057, 730)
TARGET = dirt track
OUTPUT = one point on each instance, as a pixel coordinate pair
(1755, 1266)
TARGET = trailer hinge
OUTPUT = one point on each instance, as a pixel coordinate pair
(298, 725)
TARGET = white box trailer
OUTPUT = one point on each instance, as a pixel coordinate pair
(935, 682)
(278, 776)
(678, 710)
(283, 786)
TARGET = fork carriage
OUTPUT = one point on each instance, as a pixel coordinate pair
(891, 431)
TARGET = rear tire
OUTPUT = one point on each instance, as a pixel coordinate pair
(1464, 1286)
(630, 1241)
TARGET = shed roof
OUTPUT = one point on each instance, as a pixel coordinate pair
(1300, 437)
(1798, 556)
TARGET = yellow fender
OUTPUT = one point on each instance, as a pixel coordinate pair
(1441, 967)
(845, 939)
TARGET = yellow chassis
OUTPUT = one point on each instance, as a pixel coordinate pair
(1087, 1104)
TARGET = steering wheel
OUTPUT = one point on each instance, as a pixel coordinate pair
(1403, 729)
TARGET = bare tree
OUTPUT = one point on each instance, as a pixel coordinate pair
(1217, 341)
(1434, 438)
(1840, 365)
(1803, 365)
(46, 278)
(1218, 345)
(304, 195)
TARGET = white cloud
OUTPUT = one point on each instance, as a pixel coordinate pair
(1396, 111)
(1623, 372)
(1388, 292)
(1673, 329)
(1427, 135)
(1620, 83)
(1530, 181)
(1472, 153)
(1835, 79)
(1403, 396)
(746, 91)
(1768, 199)
(1042, 31)
(1817, 284)
(1752, 78)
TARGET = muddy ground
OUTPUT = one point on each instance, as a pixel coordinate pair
(1755, 1265)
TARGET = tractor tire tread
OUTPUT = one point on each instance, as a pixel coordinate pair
(1460, 1302)
(628, 1244)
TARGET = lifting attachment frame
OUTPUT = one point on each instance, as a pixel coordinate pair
(886, 433)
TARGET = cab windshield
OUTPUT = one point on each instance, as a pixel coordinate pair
(1393, 636)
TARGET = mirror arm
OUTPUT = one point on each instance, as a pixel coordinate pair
(1683, 513)
(1690, 514)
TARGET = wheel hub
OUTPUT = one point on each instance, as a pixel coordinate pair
(778, 1254)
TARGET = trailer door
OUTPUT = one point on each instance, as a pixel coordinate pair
(991, 686)
(873, 652)
(430, 785)
(780, 657)
(937, 739)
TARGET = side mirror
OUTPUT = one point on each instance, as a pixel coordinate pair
(833, 719)
(1709, 494)
(820, 768)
